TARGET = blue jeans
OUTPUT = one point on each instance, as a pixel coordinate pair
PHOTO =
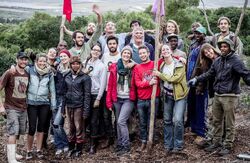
(123, 109)
(144, 109)
(60, 136)
(173, 122)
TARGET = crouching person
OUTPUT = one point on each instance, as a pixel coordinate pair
(77, 94)
(15, 107)
(173, 74)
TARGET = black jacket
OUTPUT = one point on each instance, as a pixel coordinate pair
(227, 71)
(59, 84)
(77, 92)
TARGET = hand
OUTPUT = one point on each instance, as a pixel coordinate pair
(192, 82)
(110, 109)
(130, 65)
(96, 9)
(96, 104)
(156, 73)
(183, 60)
(2, 111)
(153, 81)
(12, 69)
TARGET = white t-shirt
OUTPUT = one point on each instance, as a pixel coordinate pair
(108, 59)
(123, 90)
(168, 70)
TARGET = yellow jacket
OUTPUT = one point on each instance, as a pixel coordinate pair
(178, 79)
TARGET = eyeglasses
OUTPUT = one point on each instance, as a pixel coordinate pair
(96, 50)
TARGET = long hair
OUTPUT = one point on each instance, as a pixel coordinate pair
(163, 27)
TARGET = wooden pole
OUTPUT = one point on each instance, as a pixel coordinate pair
(153, 96)
(61, 29)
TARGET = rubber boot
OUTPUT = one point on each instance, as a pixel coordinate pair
(92, 146)
(78, 149)
(11, 153)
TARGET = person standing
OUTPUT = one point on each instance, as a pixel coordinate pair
(197, 101)
(227, 70)
(15, 106)
(144, 81)
(120, 95)
(41, 98)
(173, 74)
(60, 137)
(76, 97)
(98, 74)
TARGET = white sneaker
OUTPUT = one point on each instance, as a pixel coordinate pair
(65, 149)
(59, 151)
(19, 157)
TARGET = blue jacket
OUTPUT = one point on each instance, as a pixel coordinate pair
(41, 89)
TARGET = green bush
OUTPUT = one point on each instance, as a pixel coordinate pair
(7, 59)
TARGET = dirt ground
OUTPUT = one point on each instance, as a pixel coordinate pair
(191, 152)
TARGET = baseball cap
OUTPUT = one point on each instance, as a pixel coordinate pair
(201, 30)
(21, 55)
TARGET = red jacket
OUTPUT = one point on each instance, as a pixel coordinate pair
(141, 76)
(112, 87)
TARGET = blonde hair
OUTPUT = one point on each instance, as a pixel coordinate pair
(40, 55)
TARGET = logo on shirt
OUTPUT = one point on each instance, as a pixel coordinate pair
(20, 87)
(147, 75)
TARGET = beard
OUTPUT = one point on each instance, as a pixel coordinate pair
(90, 33)
(79, 43)
(113, 50)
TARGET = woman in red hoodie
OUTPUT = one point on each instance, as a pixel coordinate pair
(121, 95)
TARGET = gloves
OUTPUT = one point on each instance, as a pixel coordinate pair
(192, 82)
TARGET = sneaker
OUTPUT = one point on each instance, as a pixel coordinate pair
(65, 149)
(198, 140)
(29, 156)
(177, 150)
(123, 151)
(118, 148)
(58, 152)
(224, 151)
(212, 147)
(39, 154)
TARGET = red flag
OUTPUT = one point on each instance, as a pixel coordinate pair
(67, 9)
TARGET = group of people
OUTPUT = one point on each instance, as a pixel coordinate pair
(113, 74)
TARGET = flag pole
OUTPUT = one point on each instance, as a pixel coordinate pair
(153, 95)
(61, 28)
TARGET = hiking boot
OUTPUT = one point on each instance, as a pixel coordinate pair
(224, 151)
(107, 143)
(29, 155)
(212, 147)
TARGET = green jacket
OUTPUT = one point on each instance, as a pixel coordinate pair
(178, 80)
(86, 48)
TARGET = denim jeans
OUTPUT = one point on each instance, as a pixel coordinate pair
(123, 109)
(60, 136)
(173, 122)
(144, 109)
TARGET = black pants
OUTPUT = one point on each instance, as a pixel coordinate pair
(94, 118)
(37, 116)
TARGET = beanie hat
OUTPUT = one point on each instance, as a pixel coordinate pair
(127, 48)
(66, 52)
(75, 59)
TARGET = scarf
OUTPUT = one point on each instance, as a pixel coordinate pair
(62, 69)
(44, 71)
(122, 71)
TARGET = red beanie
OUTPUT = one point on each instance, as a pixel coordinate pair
(66, 52)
